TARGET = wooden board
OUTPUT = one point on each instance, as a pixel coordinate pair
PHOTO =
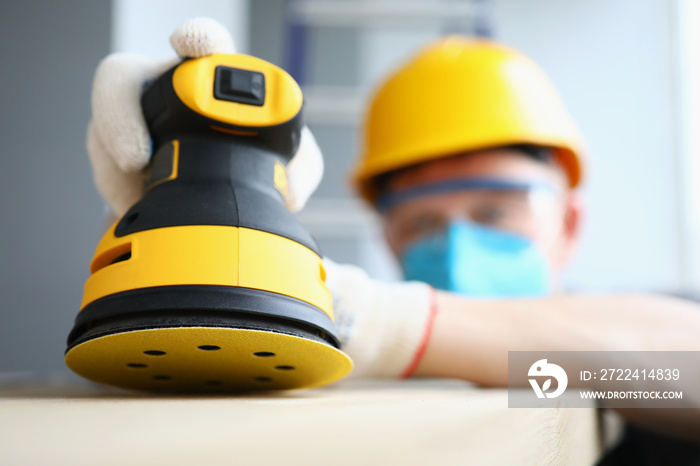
(418, 421)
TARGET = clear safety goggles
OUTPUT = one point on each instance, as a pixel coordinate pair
(525, 207)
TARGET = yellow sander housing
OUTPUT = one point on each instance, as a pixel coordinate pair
(209, 283)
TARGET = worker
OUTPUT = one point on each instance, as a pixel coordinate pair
(473, 162)
(472, 159)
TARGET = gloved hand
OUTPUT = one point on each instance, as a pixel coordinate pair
(118, 141)
(383, 327)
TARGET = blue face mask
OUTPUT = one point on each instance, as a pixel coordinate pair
(478, 261)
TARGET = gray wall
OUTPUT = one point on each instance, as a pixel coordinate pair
(50, 212)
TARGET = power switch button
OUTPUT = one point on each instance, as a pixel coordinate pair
(242, 86)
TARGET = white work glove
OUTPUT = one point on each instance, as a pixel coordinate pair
(118, 141)
(384, 327)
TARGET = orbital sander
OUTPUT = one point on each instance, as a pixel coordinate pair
(209, 283)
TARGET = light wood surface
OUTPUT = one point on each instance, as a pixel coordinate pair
(413, 422)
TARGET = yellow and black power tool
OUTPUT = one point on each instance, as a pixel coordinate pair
(209, 283)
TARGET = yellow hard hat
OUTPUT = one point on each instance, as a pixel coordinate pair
(460, 95)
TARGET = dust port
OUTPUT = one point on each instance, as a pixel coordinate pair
(285, 368)
(264, 354)
(209, 347)
(154, 353)
(124, 257)
(136, 365)
(162, 377)
(263, 379)
(120, 253)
